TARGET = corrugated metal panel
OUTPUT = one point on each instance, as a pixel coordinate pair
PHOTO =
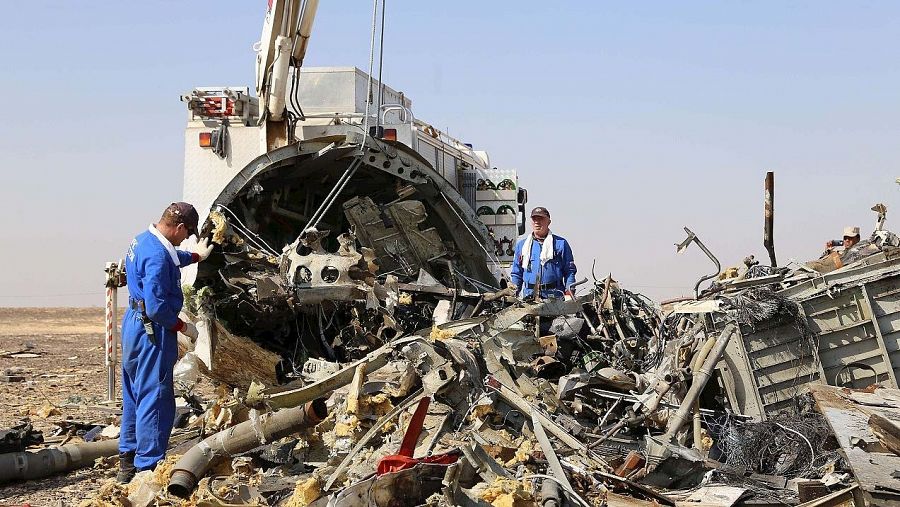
(784, 405)
(884, 300)
(449, 168)
(777, 356)
(846, 336)
(758, 342)
(855, 318)
(780, 360)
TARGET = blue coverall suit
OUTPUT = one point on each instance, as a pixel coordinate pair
(148, 395)
(559, 272)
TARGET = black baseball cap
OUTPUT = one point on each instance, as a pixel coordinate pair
(186, 214)
(540, 211)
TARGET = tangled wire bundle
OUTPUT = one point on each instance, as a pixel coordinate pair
(790, 447)
(758, 304)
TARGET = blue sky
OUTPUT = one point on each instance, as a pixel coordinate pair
(628, 120)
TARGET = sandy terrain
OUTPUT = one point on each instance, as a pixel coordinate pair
(68, 375)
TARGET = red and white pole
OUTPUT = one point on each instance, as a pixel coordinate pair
(111, 343)
(114, 280)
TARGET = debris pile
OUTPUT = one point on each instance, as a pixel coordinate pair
(551, 402)
(434, 386)
(384, 366)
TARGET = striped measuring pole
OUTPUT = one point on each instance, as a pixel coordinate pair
(111, 331)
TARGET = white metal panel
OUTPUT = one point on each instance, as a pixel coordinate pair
(205, 174)
(450, 163)
(429, 153)
(342, 90)
(327, 91)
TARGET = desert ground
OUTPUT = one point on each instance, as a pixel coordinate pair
(63, 385)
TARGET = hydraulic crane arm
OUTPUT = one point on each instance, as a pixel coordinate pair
(283, 44)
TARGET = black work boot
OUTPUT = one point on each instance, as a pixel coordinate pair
(126, 467)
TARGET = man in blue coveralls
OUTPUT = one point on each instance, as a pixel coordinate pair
(149, 336)
(543, 258)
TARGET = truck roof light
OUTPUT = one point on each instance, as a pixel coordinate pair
(206, 140)
(390, 135)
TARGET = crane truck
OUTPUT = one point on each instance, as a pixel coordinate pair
(342, 219)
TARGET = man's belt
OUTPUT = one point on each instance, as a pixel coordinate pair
(139, 306)
(552, 285)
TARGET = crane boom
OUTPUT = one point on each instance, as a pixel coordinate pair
(285, 38)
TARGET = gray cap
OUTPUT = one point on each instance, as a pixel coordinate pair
(186, 214)
(851, 232)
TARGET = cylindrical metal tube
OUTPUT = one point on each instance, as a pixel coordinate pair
(277, 96)
(304, 31)
(550, 494)
(696, 364)
(241, 438)
(701, 377)
(702, 354)
(30, 465)
(698, 427)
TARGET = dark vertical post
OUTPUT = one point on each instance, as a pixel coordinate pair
(768, 236)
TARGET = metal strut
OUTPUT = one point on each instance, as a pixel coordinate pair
(335, 191)
(684, 244)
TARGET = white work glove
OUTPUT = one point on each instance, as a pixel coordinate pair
(203, 248)
(190, 331)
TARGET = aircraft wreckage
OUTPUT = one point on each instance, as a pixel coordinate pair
(394, 228)
(376, 364)
(416, 383)
(355, 315)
